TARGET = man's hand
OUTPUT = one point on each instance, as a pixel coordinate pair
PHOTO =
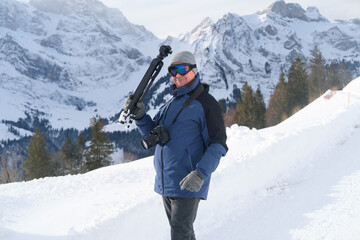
(192, 182)
(139, 110)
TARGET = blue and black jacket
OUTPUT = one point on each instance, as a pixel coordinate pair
(197, 140)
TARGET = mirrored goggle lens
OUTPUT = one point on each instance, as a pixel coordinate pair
(181, 69)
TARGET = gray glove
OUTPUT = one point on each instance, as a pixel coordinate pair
(192, 182)
(139, 110)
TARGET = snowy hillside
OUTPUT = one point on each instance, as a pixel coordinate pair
(68, 61)
(297, 180)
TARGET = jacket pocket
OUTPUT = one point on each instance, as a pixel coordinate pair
(189, 163)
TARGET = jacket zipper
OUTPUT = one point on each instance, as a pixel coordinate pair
(162, 171)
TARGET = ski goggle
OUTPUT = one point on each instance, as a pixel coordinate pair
(182, 69)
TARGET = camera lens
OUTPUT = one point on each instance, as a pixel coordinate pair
(150, 141)
(156, 136)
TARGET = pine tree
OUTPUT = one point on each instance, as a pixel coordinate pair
(278, 104)
(332, 77)
(57, 163)
(260, 109)
(100, 148)
(343, 75)
(38, 162)
(68, 150)
(297, 86)
(80, 153)
(317, 77)
(245, 109)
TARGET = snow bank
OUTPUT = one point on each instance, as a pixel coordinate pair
(297, 180)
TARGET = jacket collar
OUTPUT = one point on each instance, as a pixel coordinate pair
(176, 92)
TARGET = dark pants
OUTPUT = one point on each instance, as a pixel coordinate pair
(181, 213)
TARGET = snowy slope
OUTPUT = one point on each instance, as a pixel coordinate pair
(297, 180)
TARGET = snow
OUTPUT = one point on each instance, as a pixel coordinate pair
(298, 180)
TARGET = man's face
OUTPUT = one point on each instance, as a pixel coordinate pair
(182, 80)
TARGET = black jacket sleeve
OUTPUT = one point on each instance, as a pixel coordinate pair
(214, 120)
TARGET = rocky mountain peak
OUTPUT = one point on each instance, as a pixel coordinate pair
(313, 14)
(207, 22)
(90, 13)
(67, 7)
(295, 11)
(200, 30)
(16, 16)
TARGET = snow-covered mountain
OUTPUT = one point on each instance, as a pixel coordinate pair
(299, 180)
(256, 47)
(69, 60)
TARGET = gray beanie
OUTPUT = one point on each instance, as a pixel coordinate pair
(184, 57)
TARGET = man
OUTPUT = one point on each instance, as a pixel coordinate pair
(194, 143)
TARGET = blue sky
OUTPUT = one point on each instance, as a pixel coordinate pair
(169, 17)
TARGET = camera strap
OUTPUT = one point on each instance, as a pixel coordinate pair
(198, 90)
(195, 93)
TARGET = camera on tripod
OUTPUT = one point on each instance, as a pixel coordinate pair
(158, 135)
